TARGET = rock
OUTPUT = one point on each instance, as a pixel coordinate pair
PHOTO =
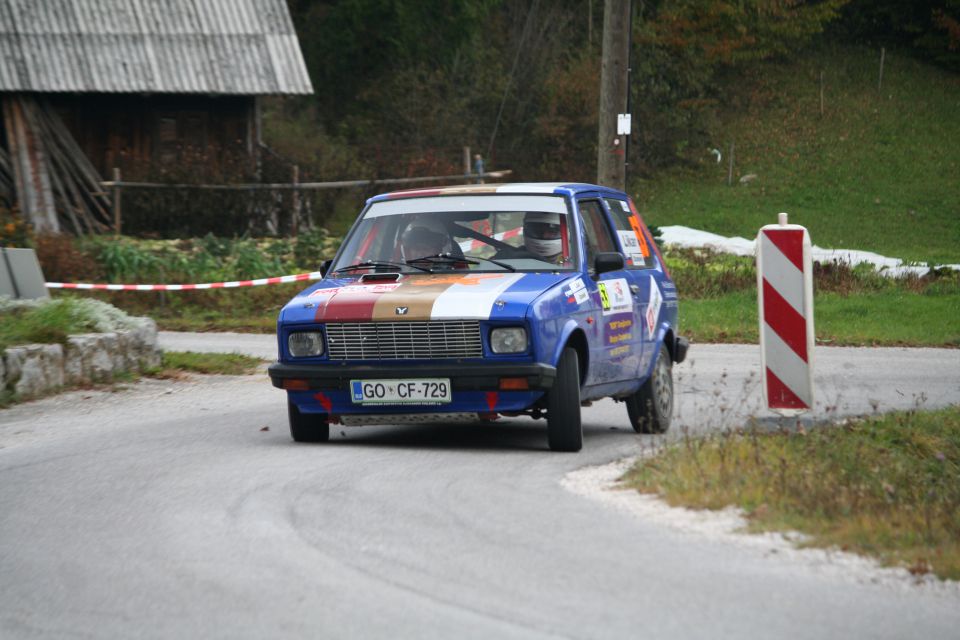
(101, 359)
(13, 359)
(148, 351)
(76, 367)
(31, 370)
(41, 369)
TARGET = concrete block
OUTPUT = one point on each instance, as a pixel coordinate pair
(22, 276)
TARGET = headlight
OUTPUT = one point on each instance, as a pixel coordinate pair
(305, 343)
(508, 340)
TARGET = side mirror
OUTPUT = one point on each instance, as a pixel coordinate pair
(608, 261)
(325, 266)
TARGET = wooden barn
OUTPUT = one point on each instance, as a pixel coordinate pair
(88, 85)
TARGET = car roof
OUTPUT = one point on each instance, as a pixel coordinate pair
(534, 188)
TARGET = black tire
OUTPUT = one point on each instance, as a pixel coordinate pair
(651, 407)
(307, 427)
(564, 430)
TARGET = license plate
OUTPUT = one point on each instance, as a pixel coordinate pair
(414, 391)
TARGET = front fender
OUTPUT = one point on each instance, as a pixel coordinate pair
(566, 331)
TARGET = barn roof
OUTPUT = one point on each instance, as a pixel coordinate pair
(226, 47)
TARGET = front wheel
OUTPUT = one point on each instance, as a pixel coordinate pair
(564, 431)
(307, 427)
(651, 407)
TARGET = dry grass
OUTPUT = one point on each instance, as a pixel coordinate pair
(885, 486)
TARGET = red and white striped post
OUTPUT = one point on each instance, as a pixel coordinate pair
(785, 296)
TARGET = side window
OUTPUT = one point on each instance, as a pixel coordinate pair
(631, 234)
(599, 238)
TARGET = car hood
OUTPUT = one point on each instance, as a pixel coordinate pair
(470, 296)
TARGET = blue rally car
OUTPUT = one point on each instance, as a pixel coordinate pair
(475, 302)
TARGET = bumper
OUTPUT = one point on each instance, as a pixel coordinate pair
(472, 377)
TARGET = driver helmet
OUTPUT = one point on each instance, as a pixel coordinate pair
(424, 237)
(541, 234)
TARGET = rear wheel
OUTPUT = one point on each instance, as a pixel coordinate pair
(651, 407)
(307, 427)
(564, 430)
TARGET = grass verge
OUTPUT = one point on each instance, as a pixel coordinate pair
(892, 318)
(229, 364)
(853, 306)
(51, 321)
(886, 486)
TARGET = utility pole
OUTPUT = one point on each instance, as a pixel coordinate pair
(611, 154)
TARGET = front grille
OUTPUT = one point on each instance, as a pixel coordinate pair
(404, 340)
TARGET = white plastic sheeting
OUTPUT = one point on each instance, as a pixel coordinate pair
(694, 238)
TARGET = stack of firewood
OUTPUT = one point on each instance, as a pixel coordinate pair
(7, 195)
(47, 174)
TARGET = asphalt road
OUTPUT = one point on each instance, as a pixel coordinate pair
(166, 510)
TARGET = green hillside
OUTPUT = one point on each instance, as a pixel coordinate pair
(879, 170)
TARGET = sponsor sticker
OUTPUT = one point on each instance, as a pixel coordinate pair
(577, 292)
(635, 223)
(653, 305)
(631, 246)
(383, 287)
(619, 329)
(575, 285)
(614, 296)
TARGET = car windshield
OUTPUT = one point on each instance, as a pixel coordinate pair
(471, 233)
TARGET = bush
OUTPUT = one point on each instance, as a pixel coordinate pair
(14, 231)
(62, 260)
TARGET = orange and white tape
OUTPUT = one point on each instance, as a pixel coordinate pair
(313, 275)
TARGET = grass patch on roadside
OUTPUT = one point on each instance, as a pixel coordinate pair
(229, 364)
(888, 318)
(44, 324)
(887, 486)
(52, 320)
(853, 306)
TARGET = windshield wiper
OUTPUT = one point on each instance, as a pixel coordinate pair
(373, 264)
(444, 258)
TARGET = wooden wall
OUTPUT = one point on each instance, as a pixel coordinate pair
(141, 134)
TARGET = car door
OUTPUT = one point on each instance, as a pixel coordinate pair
(615, 343)
(644, 277)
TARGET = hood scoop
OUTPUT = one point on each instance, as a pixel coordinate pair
(380, 277)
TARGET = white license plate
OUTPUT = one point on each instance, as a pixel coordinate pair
(413, 391)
